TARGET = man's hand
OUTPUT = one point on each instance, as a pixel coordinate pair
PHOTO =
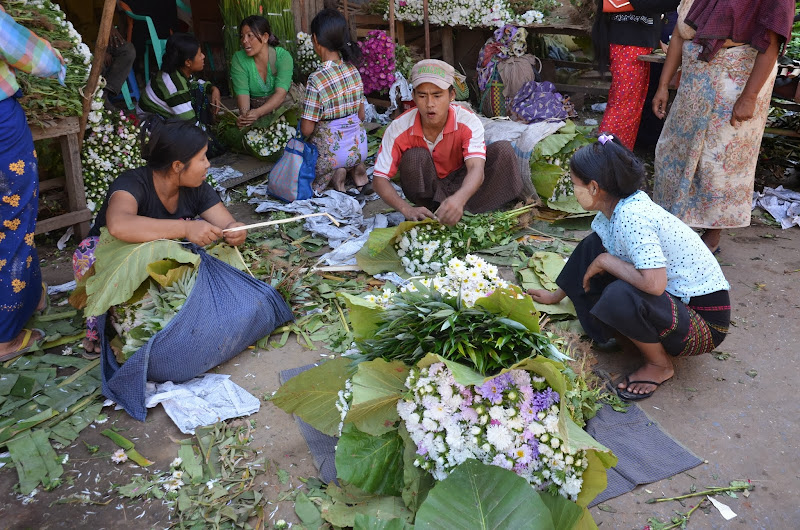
(417, 213)
(595, 268)
(450, 211)
(235, 238)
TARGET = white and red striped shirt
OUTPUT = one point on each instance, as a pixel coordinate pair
(461, 139)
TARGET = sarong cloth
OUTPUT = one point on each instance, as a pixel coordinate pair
(501, 180)
(705, 167)
(613, 304)
(342, 143)
(20, 276)
(629, 80)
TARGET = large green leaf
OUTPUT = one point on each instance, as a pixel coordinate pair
(312, 395)
(167, 271)
(386, 260)
(369, 522)
(545, 177)
(513, 304)
(595, 477)
(343, 515)
(547, 265)
(464, 375)
(553, 144)
(377, 386)
(479, 496)
(372, 463)
(364, 315)
(529, 280)
(565, 513)
(416, 482)
(568, 204)
(230, 255)
(122, 267)
(35, 460)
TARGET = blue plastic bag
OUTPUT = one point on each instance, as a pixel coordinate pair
(291, 178)
(227, 311)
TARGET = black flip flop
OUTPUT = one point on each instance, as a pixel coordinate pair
(630, 396)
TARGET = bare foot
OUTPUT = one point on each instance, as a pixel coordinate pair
(711, 238)
(337, 182)
(91, 346)
(360, 175)
(648, 372)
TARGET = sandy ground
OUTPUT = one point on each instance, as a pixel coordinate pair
(745, 427)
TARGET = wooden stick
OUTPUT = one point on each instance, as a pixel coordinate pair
(98, 61)
(391, 20)
(280, 221)
(222, 105)
(427, 25)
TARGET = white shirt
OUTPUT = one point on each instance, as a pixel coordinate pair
(646, 235)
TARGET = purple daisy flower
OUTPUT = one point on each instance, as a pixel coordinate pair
(492, 390)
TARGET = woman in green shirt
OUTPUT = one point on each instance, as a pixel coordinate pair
(261, 72)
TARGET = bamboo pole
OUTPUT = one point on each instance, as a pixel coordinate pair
(303, 17)
(391, 20)
(280, 221)
(427, 25)
(98, 61)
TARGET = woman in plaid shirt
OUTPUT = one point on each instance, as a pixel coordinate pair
(334, 107)
(21, 287)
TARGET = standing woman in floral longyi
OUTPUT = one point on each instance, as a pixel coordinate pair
(21, 288)
(708, 150)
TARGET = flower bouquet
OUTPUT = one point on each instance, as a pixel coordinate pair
(110, 147)
(435, 416)
(424, 247)
(378, 64)
(307, 60)
(46, 99)
(268, 143)
(265, 138)
(475, 14)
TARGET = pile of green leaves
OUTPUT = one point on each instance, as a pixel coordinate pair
(45, 100)
(550, 166)
(476, 232)
(221, 476)
(45, 399)
(498, 332)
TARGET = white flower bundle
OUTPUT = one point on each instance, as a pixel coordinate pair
(471, 13)
(425, 248)
(471, 278)
(306, 58)
(111, 147)
(266, 142)
(510, 421)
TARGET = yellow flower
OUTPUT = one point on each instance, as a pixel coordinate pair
(13, 224)
(2, 263)
(2, 236)
(29, 260)
(17, 285)
(29, 239)
(13, 200)
(17, 167)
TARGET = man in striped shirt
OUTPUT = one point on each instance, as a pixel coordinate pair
(438, 153)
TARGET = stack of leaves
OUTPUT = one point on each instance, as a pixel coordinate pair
(541, 272)
(426, 243)
(213, 483)
(39, 405)
(550, 167)
(45, 100)
(497, 332)
(136, 322)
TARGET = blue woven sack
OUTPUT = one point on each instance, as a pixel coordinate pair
(291, 178)
(227, 311)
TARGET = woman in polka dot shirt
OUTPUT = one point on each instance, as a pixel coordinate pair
(643, 277)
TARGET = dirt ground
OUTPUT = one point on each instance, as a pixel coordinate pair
(740, 414)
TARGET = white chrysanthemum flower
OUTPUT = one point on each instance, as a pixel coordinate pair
(119, 456)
